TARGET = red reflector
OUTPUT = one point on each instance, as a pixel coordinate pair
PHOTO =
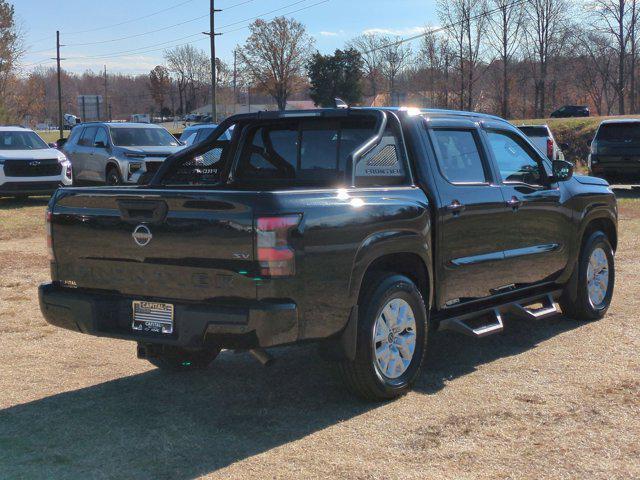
(550, 148)
(275, 254)
(47, 217)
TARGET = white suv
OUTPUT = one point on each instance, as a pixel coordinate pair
(28, 166)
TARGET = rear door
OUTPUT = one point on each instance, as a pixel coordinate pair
(537, 228)
(82, 158)
(100, 154)
(469, 243)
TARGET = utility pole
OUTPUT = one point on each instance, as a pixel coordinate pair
(106, 101)
(61, 125)
(212, 35)
(235, 78)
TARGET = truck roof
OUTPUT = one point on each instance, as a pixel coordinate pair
(433, 112)
(125, 124)
(620, 120)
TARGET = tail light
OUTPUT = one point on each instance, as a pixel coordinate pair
(550, 148)
(48, 217)
(276, 256)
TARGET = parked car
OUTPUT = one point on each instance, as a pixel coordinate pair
(118, 153)
(615, 151)
(361, 229)
(199, 132)
(542, 137)
(28, 166)
(571, 111)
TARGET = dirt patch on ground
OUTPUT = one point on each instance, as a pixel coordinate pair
(548, 399)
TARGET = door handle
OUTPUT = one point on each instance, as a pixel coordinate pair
(455, 207)
(514, 203)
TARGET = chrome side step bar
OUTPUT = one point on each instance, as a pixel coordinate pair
(526, 312)
(475, 325)
(489, 321)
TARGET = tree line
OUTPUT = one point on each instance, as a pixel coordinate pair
(513, 58)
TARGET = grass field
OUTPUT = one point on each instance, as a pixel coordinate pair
(549, 399)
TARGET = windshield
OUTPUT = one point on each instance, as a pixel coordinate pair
(143, 137)
(619, 132)
(21, 141)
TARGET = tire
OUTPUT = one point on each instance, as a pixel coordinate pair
(366, 376)
(113, 177)
(180, 360)
(586, 306)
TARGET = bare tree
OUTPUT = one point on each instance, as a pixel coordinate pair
(545, 36)
(466, 24)
(159, 85)
(275, 54)
(396, 57)
(503, 35)
(596, 74)
(369, 45)
(187, 63)
(616, 19)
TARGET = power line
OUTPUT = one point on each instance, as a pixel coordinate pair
(151, 48)
(288, 13)
(486, 13)
(129, 21)
(137, 34)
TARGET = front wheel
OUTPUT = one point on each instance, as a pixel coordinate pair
(113, 177)
(392, 340)
(596, 278)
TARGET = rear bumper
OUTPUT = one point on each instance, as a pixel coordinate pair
(262, 324)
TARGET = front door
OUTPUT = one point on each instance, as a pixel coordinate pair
(537, 228)
(469, 243)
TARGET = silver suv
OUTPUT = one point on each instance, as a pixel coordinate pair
(118, 153)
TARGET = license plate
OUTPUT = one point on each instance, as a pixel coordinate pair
(152, 317)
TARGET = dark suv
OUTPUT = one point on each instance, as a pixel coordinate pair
(360, 229)
(615, 151)
(571, 111)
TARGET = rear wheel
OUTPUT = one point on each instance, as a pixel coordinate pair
(179, 359)
(392, 339)
(596, 277)
(113, 177)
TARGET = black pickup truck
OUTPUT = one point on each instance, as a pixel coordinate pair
(361, 229)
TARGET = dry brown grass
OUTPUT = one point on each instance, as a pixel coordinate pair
(554, 399)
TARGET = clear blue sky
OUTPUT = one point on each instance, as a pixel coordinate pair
(91, 21)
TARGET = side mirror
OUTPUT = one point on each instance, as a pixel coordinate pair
(562, 170)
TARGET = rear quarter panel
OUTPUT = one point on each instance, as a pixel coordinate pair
(341, 233)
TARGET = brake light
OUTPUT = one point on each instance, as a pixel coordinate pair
(550, 148)
(48, 217)
(276, 256)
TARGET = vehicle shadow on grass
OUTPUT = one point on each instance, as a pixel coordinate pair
(9, 203)
(628, 192)
(181, 426)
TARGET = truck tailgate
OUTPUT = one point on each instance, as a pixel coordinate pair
(171, 244)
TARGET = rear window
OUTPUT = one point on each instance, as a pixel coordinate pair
(315, 153)
(534, 131)
(290, 153)
(619, 132)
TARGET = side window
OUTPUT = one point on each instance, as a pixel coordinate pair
(101, 136)
(458, 156)
(515, 162)
(88, 134)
